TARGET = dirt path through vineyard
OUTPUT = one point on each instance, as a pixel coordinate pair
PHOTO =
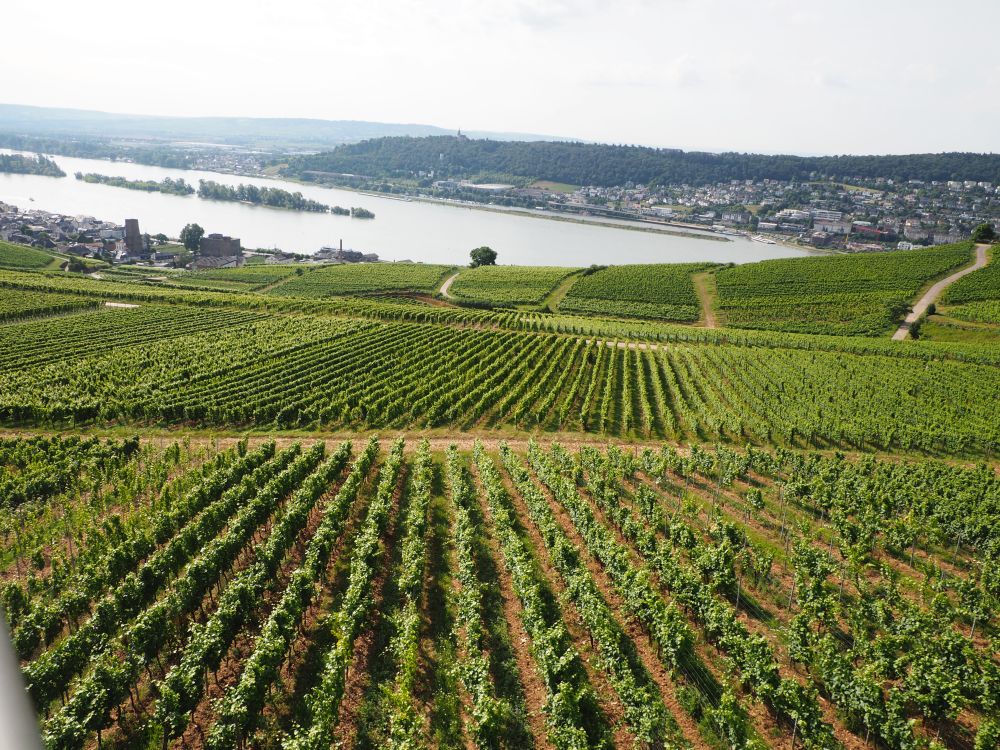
(447, 285)
(932, 294)
(704, 285)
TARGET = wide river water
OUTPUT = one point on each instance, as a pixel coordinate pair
(401, 230)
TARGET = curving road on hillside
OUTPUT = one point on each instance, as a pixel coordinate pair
(447, 285)
(934, 292)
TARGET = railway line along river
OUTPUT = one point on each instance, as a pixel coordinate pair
(402, 230)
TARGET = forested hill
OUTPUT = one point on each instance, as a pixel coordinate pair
(597, 164)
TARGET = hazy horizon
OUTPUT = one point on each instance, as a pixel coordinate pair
(713, 75)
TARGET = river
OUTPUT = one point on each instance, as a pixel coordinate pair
(402, 230)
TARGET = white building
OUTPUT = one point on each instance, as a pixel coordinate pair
(832, 226)
(823, 214)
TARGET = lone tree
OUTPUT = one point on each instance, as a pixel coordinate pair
(984, 233)
(191, 237)
(483, 256)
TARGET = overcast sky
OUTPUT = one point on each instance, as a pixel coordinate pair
(793, 76)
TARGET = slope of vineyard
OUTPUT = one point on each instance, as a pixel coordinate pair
(19, 256)
(983, 284)
(362, 278)
(168, 584)
(853, 295)
(661, 291)
(15, 305)
(508, 285)
(253, 276)
(399, 308)
(660, 598)
(311, 372)
(976, 297)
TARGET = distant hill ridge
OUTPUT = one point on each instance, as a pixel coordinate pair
(601, 164)
(303, 133)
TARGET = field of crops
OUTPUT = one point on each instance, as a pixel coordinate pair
(15, 305)
(19, 256)
(508, 285)
(253, 276)
(976, 297)
(663, 291)
(213, 280)
(841, 295)
(373, 594)
(363, 278)
(175, 365)
(983, 284)
(977, 312)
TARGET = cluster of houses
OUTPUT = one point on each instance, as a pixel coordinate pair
(87, 237)
(849, 213)
(83, 236)
(853, 214)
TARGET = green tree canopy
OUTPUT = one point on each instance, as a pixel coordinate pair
(984, 233)
(483, 256)
(191, 236)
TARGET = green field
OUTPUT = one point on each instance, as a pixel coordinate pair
(508, 285)
(19, 256)
(982, 286)
(254, 276)
(660, 291)
(363, 278)
(395, 365)
(938, 328)
(848, 295)
(16, 304)
(987, 311)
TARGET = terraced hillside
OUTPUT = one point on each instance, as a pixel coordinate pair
(363, 278)
(19, 256)
(578, 530)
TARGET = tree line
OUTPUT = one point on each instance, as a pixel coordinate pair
(603, 164)
(167, 185)
(21, 164)
(264, 196)
(157, 156)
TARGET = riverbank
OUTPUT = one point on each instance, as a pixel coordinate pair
(429, 230)
(633, 225)
(636, 226)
